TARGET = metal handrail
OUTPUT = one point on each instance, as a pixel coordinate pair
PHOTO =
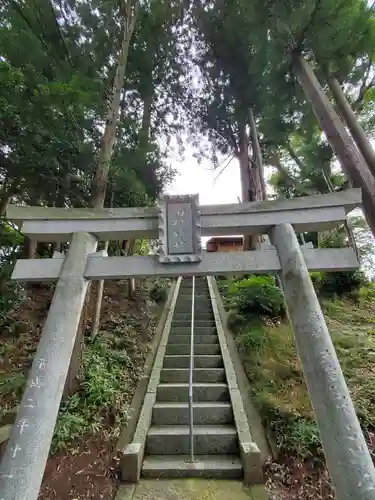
(191, 369)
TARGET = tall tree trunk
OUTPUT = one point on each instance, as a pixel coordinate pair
(248, 186)
(131, 281)
(294, 155)
(258, 159)
(342, 144)
(4, 201)
(100, 181)
(144, 134)
(6, 192)
(347, 228)
(351, 121)
(99, 185)
(289, 180)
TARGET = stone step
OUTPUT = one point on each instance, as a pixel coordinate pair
(198, 339)
(197, 312)
(198, 330)
(199, 304)
(178, 392)
(181, 361)
(200, 288)
(198, 301)
(198, 323)
(181, 375)
(205, 413)
(198, 349)
(187, 296)
(186, 316)
(206, 466)
(208, 440)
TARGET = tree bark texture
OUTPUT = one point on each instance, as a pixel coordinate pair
(341, 142)
(258, 159)
(249, 187)
(100, 181)
(351, 121)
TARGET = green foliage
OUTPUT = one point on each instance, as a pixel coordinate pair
(280, 393)
(54, 97)
(101, 396)
(253, 338)
(341, 283)
(235, 322)
(71, 424)
(158, 292)
(316, 278)
(11, 293)
(338, 284)
(302, 437)
(365, 294)
(12, 384)
(256, 296)
(295, 435)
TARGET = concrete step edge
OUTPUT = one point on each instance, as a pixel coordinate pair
(197, 404)
(202, 462)
(184, 356)
(195, 384)
(199, 430)
(196, 370)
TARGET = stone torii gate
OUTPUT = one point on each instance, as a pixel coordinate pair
(179, 223)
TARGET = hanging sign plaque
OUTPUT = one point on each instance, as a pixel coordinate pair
(179, 229)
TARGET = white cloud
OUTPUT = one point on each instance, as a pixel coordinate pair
(198, 178)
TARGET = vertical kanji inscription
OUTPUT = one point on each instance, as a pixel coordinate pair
(179, 229)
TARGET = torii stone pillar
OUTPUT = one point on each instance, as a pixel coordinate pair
(22, 467)
(348, 458)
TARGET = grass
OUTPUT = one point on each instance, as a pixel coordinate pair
(279, 390)
(102, 397)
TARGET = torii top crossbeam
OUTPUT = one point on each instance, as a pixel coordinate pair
(180, 222)
(311, 213)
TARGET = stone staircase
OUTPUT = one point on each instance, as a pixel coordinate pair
(215, 435)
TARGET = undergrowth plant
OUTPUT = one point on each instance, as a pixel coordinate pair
(271, 361)
(256, 296)
(158, 292)
(101, 398)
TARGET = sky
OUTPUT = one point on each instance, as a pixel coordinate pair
(193, 178)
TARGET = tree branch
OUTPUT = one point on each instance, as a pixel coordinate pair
(364, 87)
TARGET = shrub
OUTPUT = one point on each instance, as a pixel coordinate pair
(316, 278)
(256, 296)
(158, 292)
(302, 438)
(235, 322)
(12, 383)
(341, 283)
(254, 339)
(102, 396)
(365, 294)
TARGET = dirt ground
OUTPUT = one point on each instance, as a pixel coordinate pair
(89, 472)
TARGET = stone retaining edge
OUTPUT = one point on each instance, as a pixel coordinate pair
(132, 449)
(250, 453)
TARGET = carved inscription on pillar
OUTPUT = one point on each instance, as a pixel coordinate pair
(179, 229)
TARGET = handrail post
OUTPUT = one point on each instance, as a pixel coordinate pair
(191, 370)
